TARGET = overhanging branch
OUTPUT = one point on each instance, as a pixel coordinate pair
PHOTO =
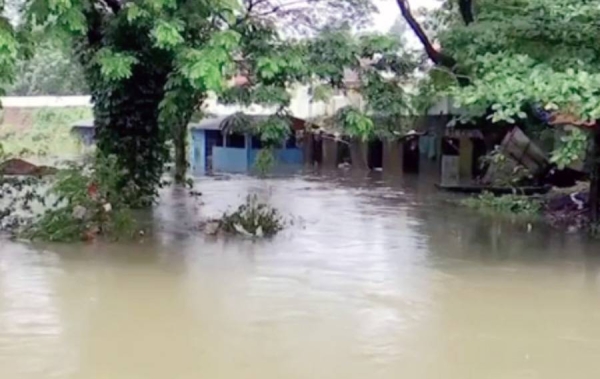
(434, 55)
(466, 11)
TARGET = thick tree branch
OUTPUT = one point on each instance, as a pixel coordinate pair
(434, 55)
(466, 10)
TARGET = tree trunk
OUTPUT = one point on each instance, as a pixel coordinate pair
(358, 154)
(187, 102)
(180, 141)
(127, 126)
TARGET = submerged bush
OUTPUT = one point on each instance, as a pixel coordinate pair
(514, 204)
(252, 219)
(265, 161)
(89, 203)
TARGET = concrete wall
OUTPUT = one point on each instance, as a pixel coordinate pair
(330, 151)
(230, 159)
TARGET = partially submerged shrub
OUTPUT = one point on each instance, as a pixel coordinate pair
(21, 199)
(252, 219)
(89, 203)
(265, 161)
(513, 204)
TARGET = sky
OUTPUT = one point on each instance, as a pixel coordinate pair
(388, 11)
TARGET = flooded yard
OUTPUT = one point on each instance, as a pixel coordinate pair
(373, 279)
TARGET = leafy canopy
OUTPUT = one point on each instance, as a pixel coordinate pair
(518, 54)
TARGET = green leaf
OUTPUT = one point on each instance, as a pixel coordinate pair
(267, 67)
(115, 65)
(167, 35)
(135, 12)
(322, 93)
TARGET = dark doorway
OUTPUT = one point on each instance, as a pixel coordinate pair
(450, 146)
(317, 141)
(410, 155)
(343, 153)
(375, 154)
(479, 151)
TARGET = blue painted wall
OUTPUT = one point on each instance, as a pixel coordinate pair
(198, 151)
(230, 159)
(284, 157)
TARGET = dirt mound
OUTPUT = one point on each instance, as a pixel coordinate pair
(20, 167)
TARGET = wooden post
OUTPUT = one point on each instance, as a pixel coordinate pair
(358, 154)
(330, 149)
(392, 156)
(309, 152)
(465, 160)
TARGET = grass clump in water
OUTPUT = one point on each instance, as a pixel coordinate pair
(507, 204)
(252, 219)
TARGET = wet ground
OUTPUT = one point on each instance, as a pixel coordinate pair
(374, 279)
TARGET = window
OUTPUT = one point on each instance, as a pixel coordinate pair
(236, 140)
(256, 143)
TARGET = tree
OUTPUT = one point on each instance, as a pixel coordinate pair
(50, 70)
(384, 70)
(148, 63)
(510, 59)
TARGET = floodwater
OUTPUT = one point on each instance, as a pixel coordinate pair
(374, 279)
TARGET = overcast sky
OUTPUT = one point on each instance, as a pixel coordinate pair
(388, 11)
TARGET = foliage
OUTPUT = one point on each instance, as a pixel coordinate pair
(265, 161)
(274, 130)
(48, 137)
(573, 147)
(355, 123)
(89, 203)
(51, 70)
(378, 68)
(252, 218)
(509, 56)
(511, 204)
(149, 63)
(20, 199)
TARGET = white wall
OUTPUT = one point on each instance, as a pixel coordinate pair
(301, 105)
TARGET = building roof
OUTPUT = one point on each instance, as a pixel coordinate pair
(209, 123)
(215, 122)
(45, 101)
(240, 122)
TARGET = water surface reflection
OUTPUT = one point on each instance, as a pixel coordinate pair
(375, 278)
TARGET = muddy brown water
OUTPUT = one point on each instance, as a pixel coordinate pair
(374, 279)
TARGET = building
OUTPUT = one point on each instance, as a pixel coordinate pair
(216, 146)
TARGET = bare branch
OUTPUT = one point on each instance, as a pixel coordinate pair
(279, 7)
(250, 4)
(466, 11)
